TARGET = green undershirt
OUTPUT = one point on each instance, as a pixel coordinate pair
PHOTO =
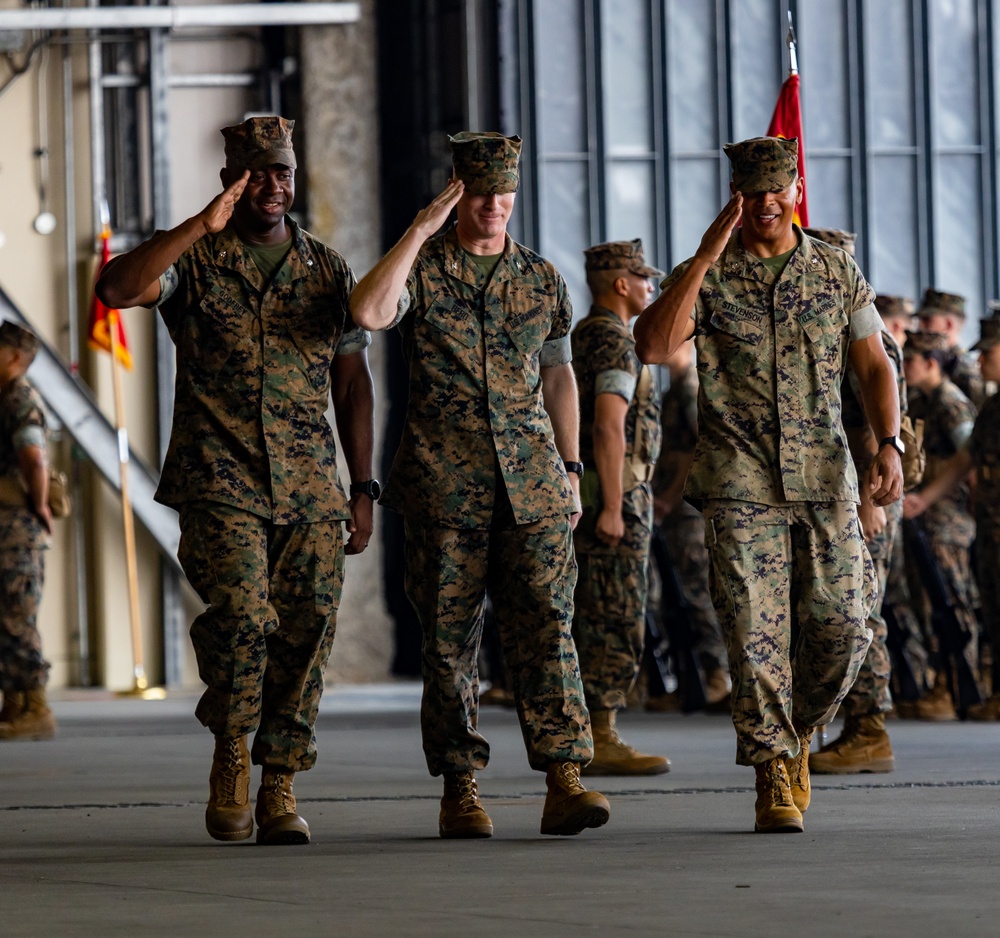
(268, 257)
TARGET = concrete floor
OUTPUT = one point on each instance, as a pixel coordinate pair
(102, 834)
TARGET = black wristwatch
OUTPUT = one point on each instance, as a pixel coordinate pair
(371, 488)
(895, 442)
(576, 467)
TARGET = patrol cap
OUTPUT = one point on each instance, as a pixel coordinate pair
(989, 329)
(764, 164)
(945, 304)
(923, 343)
(14, 336)
(259, 142)
(839, 239)
(620, 255)
(894, 307)
(486, 162)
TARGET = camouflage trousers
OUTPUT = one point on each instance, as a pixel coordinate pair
(772, 568)
(914, 633)
(684, 532)
(530, 572)
(870, 693)
(264, 641)
(609, 624)
(954, 561)
(22, 575)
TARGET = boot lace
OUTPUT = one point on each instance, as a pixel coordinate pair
(777, 790)
(229, 766)
(277, 792)
(567, 776)
(462, 788)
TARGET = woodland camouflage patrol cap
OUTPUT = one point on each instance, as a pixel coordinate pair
(923, 343)
(893, 307)
(620, 255)
(763, 164)
(259, 142)
(989, 329)
(945, 304)
(839, 239)
(14, 336)
(486, 162)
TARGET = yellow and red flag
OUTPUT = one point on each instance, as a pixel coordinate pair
(106, 331)
(786, 121)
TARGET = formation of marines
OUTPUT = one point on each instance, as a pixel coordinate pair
(530, 476)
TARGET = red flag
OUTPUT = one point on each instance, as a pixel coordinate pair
(106, 323)
(786, 121)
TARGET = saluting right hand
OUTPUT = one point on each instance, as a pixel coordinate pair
(717, 234)
(431, 218)
(215, 215)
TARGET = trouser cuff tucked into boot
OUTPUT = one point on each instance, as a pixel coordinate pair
(228, 815)
(30, 717)
(277, 822)
(461, 813)
(569, 807)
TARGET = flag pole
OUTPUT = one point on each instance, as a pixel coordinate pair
(793, 64)
(140, 687)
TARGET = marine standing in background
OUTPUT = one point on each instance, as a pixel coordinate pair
(25, 535)
(776, 317)
(487, 478)
(948, 521)
(619, 445)
(863, 745)
(257, 309)
(982, 454)
(945, 312)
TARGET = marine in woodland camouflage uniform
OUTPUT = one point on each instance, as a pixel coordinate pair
(773, 331)
(258, 310)
(481, 481)
(619, 445)
(948, 521)
(683, 525)
(945, 312)
(25, 529)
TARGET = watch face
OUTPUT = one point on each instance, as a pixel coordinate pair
(375, 489)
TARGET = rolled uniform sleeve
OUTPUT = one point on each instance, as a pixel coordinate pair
(557, 349)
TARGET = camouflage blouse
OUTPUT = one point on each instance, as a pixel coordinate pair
(476, 420)
(772, 354)
(253, 378)
(22, 424)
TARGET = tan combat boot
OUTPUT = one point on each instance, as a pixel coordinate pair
(613, 756)
(937, 706)
(863, 746)
(228, 815)
(798, 769)
(718, 690)
(775, 810)
(987, 711)
(461, 813)
(34, 720)
(277, 822)
(569, 807)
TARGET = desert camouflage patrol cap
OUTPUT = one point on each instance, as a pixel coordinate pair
(895, 307)
(259, 142)
(839, 239)
(763, 164)
(989, 329)
(945, 304)
(620, 255)
(14, 336)
(486, 162)
(923, 343)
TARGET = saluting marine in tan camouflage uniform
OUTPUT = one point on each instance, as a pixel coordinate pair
(776, 316)
(619, 445)
(481, 479)
(257, 308)
(25, 529)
